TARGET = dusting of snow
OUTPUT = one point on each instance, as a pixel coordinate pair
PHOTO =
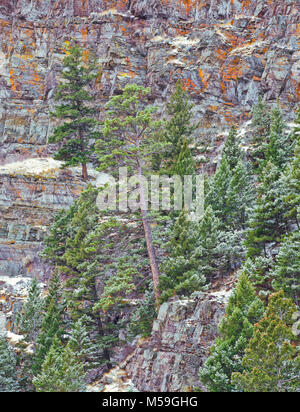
(40, 166)
(31, 166)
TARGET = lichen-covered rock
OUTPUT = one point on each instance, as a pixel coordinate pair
(170, 359)
(227, 52)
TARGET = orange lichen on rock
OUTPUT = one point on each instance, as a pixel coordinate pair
(204, 82)
(14, 85)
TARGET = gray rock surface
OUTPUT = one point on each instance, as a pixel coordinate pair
(170, 359)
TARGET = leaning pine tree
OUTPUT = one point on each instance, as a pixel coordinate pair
(129, 140)
(77, 131)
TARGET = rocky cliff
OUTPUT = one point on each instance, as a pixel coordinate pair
(226, 52)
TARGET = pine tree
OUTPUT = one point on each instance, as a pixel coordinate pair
(286, 269)
(52, 323)
(81, 345)
(272, 362)
(30, 320)
(258, 270)
(78, 130)
(244, 309)
(280, 146)
(209, 251)
(232, 149)
(180, 270)
(61, 371)
(129, 139)
(217, 196)
(240, 197)
(261, 120)
(291, 183)
(60, 230)
(184, 165)
(179, 127)
(267, 221)
(80, 265)
(8, 363)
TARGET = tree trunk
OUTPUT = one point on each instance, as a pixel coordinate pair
(84, 172)
(148, 237)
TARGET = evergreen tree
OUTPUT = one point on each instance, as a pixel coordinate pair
(240, 197)
(261, 120)
(8, 363)
(80, 265)
(280, 146)
(244, 309)
(61, 371)
(272, 362)
(52, 323)
(30, 320)
(78, 129)
(230, 191)
(291, 185)
(286, 269)
(179, 127)
(267, 221)
(60, 230)
(184, 165)
(217, 196)
(81, 345)
(129, 139)
(180, 270)
(258, 270)
(232, 149)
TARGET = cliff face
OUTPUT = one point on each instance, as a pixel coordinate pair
(227, 52)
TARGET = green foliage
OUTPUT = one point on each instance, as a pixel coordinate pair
(184, 165)
(291, 182)
(77, 131)
(62, 371)
(8, 364)
(232, 149)
(143, 317)
(30, 320)
(286, 269)
(129, 133)
(178, 128)
(117, 287)
(261, 120)
(267, 221)
(230, 192)
(280, 146)
(180, 270)
(243, 311)
(81, 345)
(52, 323)
(272, 362)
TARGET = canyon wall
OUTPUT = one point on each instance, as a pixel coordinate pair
(226, 52)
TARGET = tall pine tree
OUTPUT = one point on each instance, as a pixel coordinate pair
(77, 131)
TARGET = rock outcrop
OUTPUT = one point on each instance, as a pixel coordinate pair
(226, 52)
(170, 359)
